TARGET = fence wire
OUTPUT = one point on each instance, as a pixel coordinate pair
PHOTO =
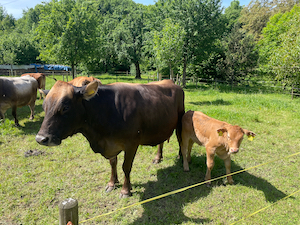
(196, 185)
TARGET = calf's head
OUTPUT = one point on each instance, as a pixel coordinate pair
(233, 136)
(64, 112)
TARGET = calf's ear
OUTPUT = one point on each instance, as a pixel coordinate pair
(90, 90)
(250, 134)
(221, 131)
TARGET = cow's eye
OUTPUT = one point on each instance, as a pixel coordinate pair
(65, 109)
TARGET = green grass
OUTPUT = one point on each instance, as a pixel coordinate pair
(32, 187)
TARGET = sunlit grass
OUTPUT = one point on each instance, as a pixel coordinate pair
(32, 187)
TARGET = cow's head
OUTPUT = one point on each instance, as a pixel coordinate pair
(234, 136)
(64, 112)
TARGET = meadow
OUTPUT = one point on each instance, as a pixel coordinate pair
(32, 185)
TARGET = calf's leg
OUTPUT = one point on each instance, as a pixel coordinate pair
(210, 164)
(114, 176)
(227, 163)
(184, 149)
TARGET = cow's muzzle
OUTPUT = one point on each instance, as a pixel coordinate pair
(42, 140)
(234, 150)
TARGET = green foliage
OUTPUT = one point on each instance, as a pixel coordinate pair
(232, 14)
(66, 32)
(256, 14)
(17, 48)
(279, 47)
(240, 55)
(168, 45)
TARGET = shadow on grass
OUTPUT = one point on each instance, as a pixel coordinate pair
(216, 102)
(169, 210)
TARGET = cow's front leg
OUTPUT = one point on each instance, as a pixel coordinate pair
(227, 163)
(159, 154)
(210, 164)
(127, 165)
(114, 175)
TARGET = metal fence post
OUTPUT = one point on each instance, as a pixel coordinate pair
(68, 211)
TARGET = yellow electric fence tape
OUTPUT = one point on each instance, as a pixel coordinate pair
(265, 207)
(192, 186)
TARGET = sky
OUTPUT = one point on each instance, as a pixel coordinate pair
(16, 7)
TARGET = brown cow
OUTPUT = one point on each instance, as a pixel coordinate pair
(77, 82)
(114, 118)
(41, 79)
(218, 137)
(81, 81)
(17, 92)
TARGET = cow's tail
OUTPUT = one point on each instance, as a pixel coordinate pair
(181, 111)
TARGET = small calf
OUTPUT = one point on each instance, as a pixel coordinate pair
(218, 137)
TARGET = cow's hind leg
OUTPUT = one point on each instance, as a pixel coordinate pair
(14, 113)
(127, 165)
(159, 154)
(114, 175)
(32, 106)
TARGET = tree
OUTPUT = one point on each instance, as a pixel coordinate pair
(232, 14)
(255, 16)
(283, 33)
(7, 22)
(66, 32)
(128, 38)
(201, 23)
(18, 49)
(240, 55)
(168, 44)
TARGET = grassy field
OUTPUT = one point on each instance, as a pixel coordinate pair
(31, 187)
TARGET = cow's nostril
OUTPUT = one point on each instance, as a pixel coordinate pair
(41, 139)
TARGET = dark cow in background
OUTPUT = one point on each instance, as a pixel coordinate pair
(41, 79)
(17, 92)
(218, 137)
(114, 118)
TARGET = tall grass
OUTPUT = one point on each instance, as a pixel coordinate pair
(32, 187)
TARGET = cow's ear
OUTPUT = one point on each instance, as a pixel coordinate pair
(221, 131)
(90, 90)
(250, 134)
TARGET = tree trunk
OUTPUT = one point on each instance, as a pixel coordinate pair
(184, 72)
(73, 70)
(137, 71)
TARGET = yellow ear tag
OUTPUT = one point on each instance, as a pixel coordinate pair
(250, 138)
(90, 92)
(220, 133)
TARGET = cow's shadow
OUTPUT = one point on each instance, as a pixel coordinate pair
(171, 208)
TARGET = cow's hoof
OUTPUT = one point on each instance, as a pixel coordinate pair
(109, 188)
(125, 195)
(156, 161)
(208, 185)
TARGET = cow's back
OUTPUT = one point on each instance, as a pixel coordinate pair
(40, 77)
(200, 127)
(18, 90)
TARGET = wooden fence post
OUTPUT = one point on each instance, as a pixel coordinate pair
(68, 211)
